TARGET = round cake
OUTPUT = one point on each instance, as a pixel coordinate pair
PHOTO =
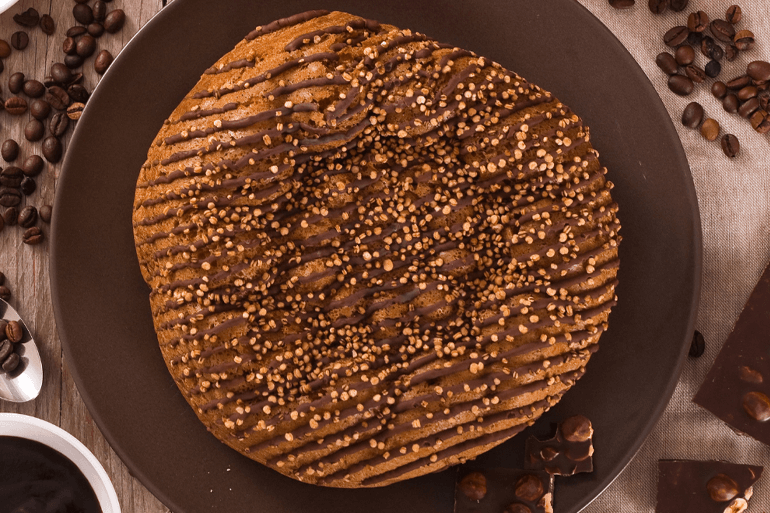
(372, 255)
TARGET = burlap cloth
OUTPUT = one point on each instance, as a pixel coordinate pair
(734, 199)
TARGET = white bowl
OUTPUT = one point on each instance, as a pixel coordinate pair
(6, 4)
(31, 428)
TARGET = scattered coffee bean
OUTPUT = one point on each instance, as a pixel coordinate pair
(739, 83)
(77, 78)
(40, 109)
(76, 31)
(73, 61)
(710, 129)
(5, 295)
(474, 486)
(9, 150)
(759, 70)
(730, 103)
(731, 52)
(61, 73)
(28, 216)
(114, 21)
(32, 236)
(680, 84)
(5, 49)
(95, 29)
(622, 4)
(10, 216)
(59, 124)
(102, 62)
(692, 115)
(69, 46)
(52, 149)
(764, 99)
(100, 10)
(34, 88)
(722, 30)
(679, 5)
(78, 93)
(6, 348)
(33, 165)
(713, 69)
(3, 324)
(747, 93)
(14, 332)
(19, 40)
(733, 14)
(730, 145)
(57, 97)
(9, 197)
(45, 213)
(675, 36)
(47, 25)
(16, 82)
(695, 73)
(744, 40)
(684, 55)
(694, 39)
(760, 121)
(75, 110)
(11, 363)
(28, 186)
(34, 130)
(86, 46)
(667, 63)
(48, 81)
(529, 488)
(697, 21)
(658, 6)
(83, 14)
(11, 176)
(29, 18)
(756, 404)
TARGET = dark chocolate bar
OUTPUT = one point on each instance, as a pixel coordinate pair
(569, 452)
(502, 490)
(686, 486)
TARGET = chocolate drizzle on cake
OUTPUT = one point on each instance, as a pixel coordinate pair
(371, 255)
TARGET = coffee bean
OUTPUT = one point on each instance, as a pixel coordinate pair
(83, 14)
(73, 61)
(756, 404)
(473, 486)
(57, 97)
(739, 83)
(10, 181)
(730, 145)
(52, 149)
(78, 93)
(61, 73)
(695, 73)
(114, 21)
(697, 21)
(47, 25)
(5, 295)
(11, 363)
(679, 5)
(722, 30)
(48, 81)
(29, 18)
(28, 186)
(102, 62)
(5, 49)
(34, 130)
(86, 46)
(675, 36)
(658, 6)
(68, 46)
(694, 39)
(100, 10)
(19, 40)
(9, 150)
(45, 213)
(730, 103)
(10, 216)
(710, 129)
(529, 488)
(75, 110)
(95, 29)
(764, 99)
(684, 55)
(11, 176)
(710, 49)
(667, 63)
(733, 14)
(14, 332)
(692, 115)
(3, 322)
(747, 93)
(34, 88)
(59, 124)
(744, 40)
(16, 82)
(758, 70)
(33, 165)
(32, 236)
(622, 4)
(9, 197)
(713, 69)
(76, 31)
(6, 348)
(681, 85)
(27, 216)
(77, 78)
(760, 121)
(731, 52)
(40, 109)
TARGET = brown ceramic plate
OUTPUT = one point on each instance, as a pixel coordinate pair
(101, 302)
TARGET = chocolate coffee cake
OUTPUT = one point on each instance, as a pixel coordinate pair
(372, 255)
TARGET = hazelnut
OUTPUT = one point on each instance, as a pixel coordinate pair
(722, 488)
(577, 429)
(529, 488)
(474, 486)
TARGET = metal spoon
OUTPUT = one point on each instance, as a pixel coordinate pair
(24, 383)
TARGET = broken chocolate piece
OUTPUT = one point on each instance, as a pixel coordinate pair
(686, 486)
(569, 452)
(506, 490)
(735, 389)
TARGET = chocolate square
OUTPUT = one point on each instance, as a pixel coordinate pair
(569, 452)
(502, 490)
(686, 486)
(737, 388)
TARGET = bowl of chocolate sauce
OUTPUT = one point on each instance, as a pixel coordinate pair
(45, 469)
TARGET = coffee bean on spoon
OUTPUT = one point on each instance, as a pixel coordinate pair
(32, 236)
(679, 5)
(696, 74)
(19, 40)
(11, 363)
(667, 63)
(14, 331)
(40, 109)
(710, 129)
(622, 4)
(5, 295)
(33, 165)
(697, 21)
(713, 69)
(684, 55)
(59, 124)
(730, 103)
(6, 348)
(733, 14)
(658, 6)
(744, 40)
(692, 115)
(675, 36)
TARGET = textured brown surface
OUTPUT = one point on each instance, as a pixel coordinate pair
(385, 269)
